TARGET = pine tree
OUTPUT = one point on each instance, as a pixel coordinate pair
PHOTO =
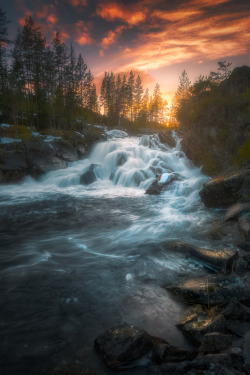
(138, 96)
(130, 94)
(4, 41)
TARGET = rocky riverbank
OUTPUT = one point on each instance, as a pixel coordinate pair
(35, 154)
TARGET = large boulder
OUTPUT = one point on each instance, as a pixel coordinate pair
(227, 190)
(124, 345)
(42, 157)
(14, 165)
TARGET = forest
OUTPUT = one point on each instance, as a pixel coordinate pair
(49, 86)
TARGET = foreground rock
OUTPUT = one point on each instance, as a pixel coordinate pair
(218, 260)
(214, 342)
(236, 210)
(213, 289)
(89, 176)
(227, 190)
(124, 345)
(244, 225)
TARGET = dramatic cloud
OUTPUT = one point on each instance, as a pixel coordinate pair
(77, 3)
(83, 36)
(113, 11)
(111, 37)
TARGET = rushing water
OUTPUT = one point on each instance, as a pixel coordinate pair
(76, 260)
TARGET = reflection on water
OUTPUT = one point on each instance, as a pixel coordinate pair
(77, 259)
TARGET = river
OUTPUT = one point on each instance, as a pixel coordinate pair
(76, 260)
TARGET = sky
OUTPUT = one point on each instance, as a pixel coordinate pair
(157, 39)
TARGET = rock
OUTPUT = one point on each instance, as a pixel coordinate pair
(156, 187)
(199, 324)
(213, 290)
(234, 211)
(219, 260)
(65, 150)
(122, 345)
(116, 133)
(236, 310)
(14, 165)
(244, 225)
(246, 352)
(167, 138)
(226, 191)
(214, 342)
(163, 352)
(42, 158)
(88, 177)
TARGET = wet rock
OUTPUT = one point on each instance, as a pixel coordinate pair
(163, 352)
(14, 165)
(236, 310)
(244, 225)
(122, 345)
(167, 138)
(219, 260)
(156, 187)
(213, 290)
(234, 211)
(89, 176)
(226, 191)
(65, 150)
(196, 325)
(246, 352)
(214, 342)
(42, 158)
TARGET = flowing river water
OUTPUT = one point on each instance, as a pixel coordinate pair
(78, 259)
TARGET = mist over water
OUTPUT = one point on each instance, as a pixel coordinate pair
(77, 259)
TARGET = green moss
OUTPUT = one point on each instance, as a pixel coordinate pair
(23, 132)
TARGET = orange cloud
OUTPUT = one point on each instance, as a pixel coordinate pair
(113, 11)
(76, 3)
(111, 37)
(82, 33)
(52, 19)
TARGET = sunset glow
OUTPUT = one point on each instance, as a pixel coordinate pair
(157, 38)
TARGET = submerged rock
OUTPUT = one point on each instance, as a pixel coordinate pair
(226, 191)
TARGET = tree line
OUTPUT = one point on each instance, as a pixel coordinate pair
(43, 85)
(49, 86)
(124, 98)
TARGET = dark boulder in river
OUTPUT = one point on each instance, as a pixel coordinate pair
(89, 176)
(227, 190)
(124, 345)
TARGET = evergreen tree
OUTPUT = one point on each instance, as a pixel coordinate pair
(138, 92)
(4, 41)
(130, 94)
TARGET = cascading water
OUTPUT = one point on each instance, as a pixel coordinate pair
(77, 259)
